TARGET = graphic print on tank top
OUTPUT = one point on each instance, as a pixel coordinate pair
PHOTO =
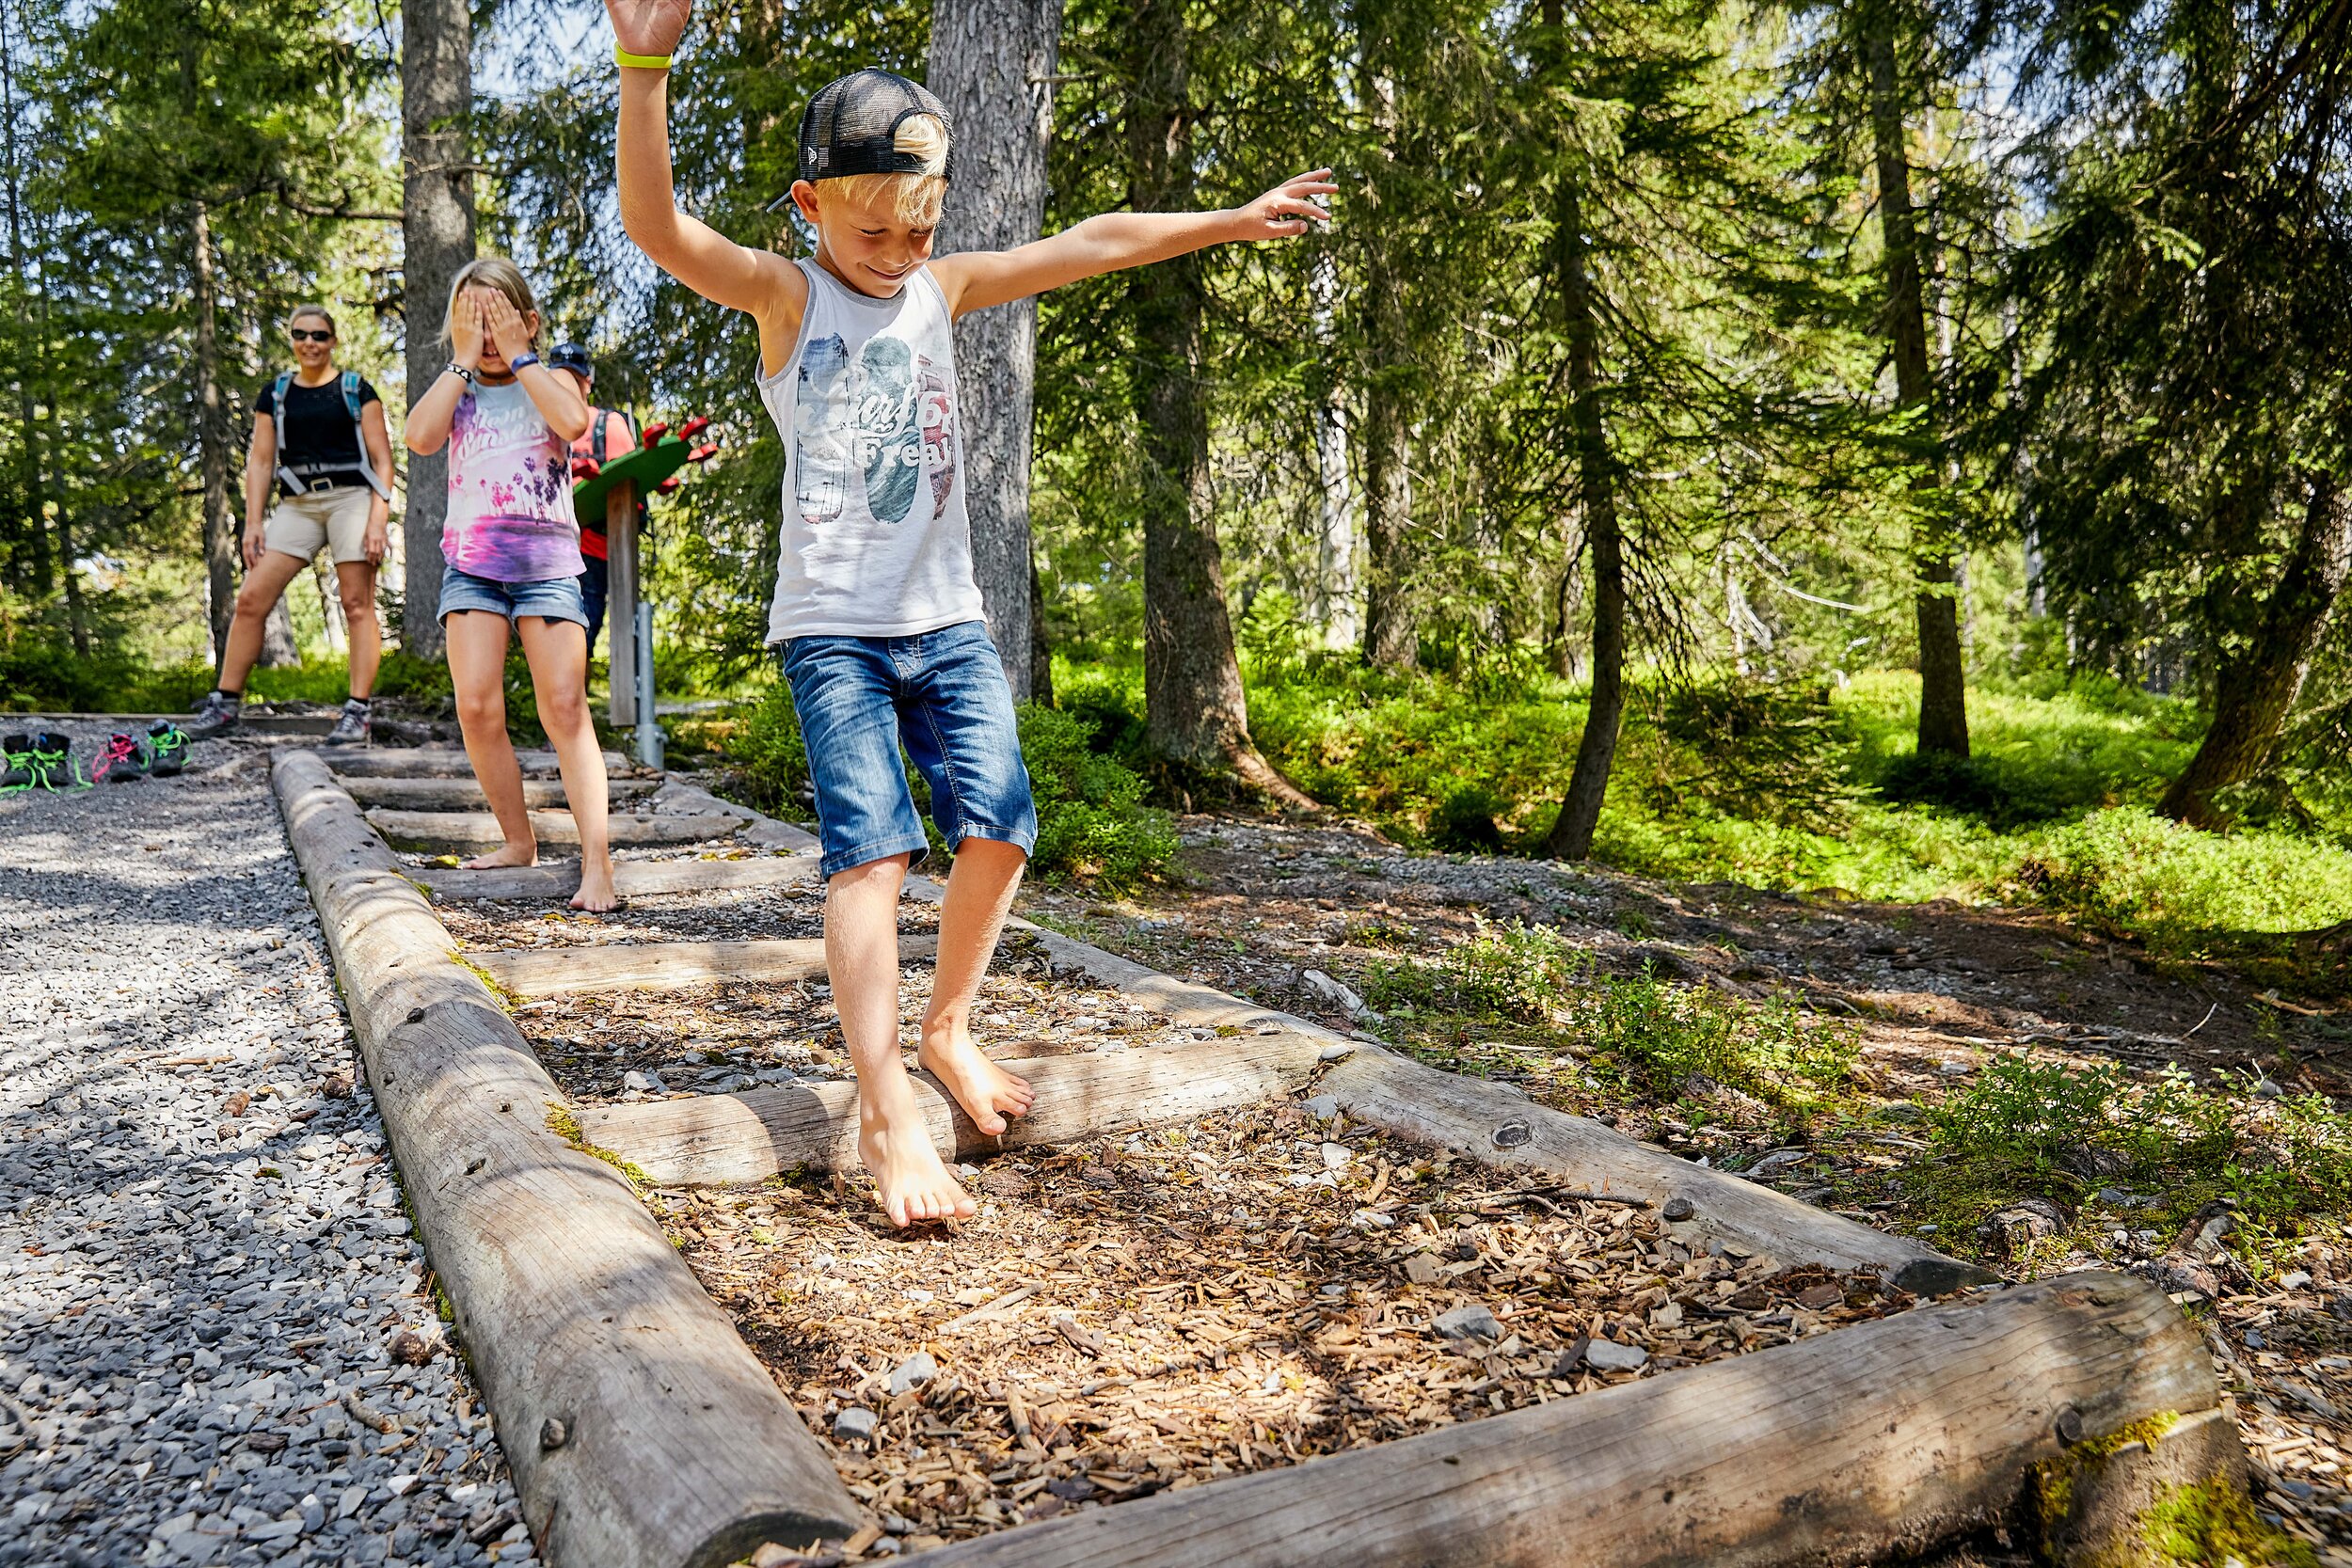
(822, 428)
(887, 416)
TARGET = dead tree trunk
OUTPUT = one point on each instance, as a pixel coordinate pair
(1943, 672)
(992, 66)
(1196, 716)
(1571, 836)
(212, 451)
(437, 238)
(2255, 690)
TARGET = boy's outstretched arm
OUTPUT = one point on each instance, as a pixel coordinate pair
(689, 250)
(1109, 242)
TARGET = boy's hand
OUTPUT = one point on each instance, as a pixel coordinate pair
(1288, 210)
(648, 26)
(465, 333)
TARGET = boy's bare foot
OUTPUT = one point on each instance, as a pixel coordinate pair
(595, 887)
(987, 1092)
(908, 1177)
(504, 855)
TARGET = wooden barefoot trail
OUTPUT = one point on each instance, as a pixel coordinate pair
(1795, 1410)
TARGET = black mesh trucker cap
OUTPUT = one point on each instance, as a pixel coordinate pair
(848, 126)
(571, 356)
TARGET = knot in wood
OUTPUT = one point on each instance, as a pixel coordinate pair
(2070, 1426)
(1513, 1133)
(553, 1433)
(415, 1015)
(1677, 1209)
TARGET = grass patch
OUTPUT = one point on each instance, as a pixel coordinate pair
(2062, 1131)
(1648, 1035)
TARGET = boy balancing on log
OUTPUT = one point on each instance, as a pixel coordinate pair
(876, 616)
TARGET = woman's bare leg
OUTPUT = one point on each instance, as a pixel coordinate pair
(264, 585)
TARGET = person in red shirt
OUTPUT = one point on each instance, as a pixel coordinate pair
(611, 434)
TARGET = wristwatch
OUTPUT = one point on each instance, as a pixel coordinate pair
(522, 361)
(453, 367)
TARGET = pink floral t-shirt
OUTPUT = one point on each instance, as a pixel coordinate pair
(510, 481)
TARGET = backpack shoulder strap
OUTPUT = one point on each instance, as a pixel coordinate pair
(278, 415)
(351, 396)
(596, 435)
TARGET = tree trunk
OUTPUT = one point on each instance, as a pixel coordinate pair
(278, 650)
(1391, 629)
(212, 451)
(1337, 620)
(436, 234)
(1195, 717)
(1041, 646)
(1571, 836)
(2254, 690)
(1943, 672)
(31, 525)
(992, 66)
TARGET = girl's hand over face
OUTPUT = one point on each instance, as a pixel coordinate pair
(648, 26)
(506, 327)
(1288, 210)
(465, 333)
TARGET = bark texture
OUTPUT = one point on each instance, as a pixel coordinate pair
(1942, 674)
(2254, 690)
(1196, 717)
(993, 65)
(437, 238)
(1571, 836)
(212, 451)
(1391, 629)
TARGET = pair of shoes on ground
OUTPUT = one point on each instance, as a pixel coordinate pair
(218, 713)
(45, 760)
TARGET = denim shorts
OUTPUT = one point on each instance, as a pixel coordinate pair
(553, 599)
(942, 696)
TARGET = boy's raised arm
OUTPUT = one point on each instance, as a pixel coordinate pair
(1110, 242)
(687, 249)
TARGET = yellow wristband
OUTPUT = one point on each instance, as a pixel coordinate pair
(640, 62)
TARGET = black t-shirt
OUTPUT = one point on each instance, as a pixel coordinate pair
(319, 432)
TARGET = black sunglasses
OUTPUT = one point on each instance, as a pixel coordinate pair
(301, 336)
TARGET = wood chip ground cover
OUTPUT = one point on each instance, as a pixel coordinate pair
(1163, 1307)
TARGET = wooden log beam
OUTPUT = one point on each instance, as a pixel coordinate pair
(444, 762)
(642, 1433)
(466, 795)
(1499, 1127)
(1838, 1449)
(666, 965)
(734, 1139)
(479, 830)
(631, 879)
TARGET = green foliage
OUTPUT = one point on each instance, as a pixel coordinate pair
(1668, 1039)
(2056, 1128)
(766, 762)
(1092, 822)
(2214, 1522)
(2178, 889)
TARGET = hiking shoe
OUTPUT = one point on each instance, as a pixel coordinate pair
(16, 763)
(215, 715)
(352, 728)
(167, 748)
(122, 760)
(53, 763)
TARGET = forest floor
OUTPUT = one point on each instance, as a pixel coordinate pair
(1316, 918)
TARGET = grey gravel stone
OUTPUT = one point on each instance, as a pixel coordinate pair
(1610, 1356)
(162, 1260)
(914, 1371)
(1474, 1321)
(855, 1424)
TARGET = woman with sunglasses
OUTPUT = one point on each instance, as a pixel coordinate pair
(321, 444)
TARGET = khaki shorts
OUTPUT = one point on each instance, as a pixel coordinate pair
(338, 518)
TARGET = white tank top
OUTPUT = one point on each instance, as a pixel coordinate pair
(876, 540)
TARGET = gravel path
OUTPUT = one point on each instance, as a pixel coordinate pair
(215, 1340)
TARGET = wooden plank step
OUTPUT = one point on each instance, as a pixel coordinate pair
(465, 795)
(734, 1139)
(631, 879)
(441, 762)
(665, 965)
(639, 1429)
(479, 830)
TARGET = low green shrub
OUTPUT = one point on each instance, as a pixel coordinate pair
(2178, 889)
(768, 767)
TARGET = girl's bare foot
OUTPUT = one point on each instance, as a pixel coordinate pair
(504, 855)
(987, 1092)
(908, 1176)
(596, 886)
